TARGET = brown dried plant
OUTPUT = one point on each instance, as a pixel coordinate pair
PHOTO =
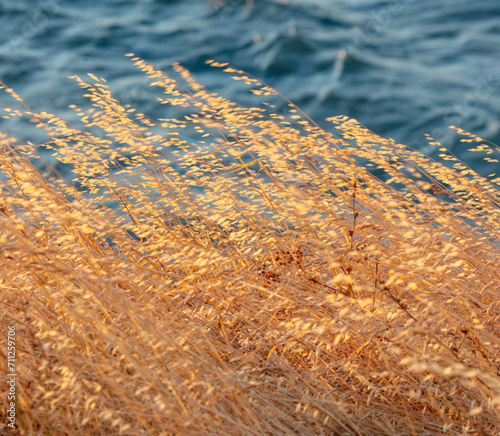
(239, 271)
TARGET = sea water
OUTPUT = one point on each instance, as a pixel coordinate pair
(402, 68)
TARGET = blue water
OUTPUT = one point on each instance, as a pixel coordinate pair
(402, 68)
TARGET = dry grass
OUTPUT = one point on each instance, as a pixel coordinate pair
(242, 272)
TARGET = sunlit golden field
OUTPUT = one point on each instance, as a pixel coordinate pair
(240, 271)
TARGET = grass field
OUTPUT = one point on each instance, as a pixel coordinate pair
(240, 271)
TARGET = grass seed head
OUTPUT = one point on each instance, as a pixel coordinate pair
(234, 270)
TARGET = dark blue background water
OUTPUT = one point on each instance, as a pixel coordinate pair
(402, 68)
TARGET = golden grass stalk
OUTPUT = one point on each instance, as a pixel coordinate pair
(237, 271)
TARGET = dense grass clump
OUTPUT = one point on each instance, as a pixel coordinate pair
(240, 271)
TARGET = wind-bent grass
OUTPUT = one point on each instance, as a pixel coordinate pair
(240, 272)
